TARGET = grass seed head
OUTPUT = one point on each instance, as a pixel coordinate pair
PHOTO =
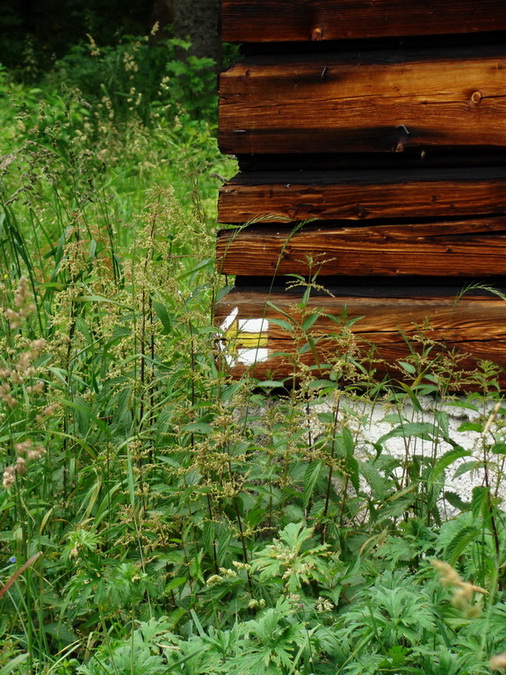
(498, 662)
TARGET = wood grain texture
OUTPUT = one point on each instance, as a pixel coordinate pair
(360, 195)
(364, 102)
(462, 249)
(297, 20)
(474, 327)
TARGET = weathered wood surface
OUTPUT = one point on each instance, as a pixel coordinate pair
(359, 195)
(297, 20)
(364, 101)
(476, 247)
(474, 327)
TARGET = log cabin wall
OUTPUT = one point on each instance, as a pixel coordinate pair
(371, 141)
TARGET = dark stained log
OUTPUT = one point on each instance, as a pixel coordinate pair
(444, 41)
(292, 20)
(465, 248)
(360, 195)
(409, 159)
(364, 102)
(385, 330)
(379, 287)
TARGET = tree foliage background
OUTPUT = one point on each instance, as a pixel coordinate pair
(42, 31)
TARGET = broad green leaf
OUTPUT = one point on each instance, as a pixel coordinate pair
(281, 323)
(456, 501)
(425, 430)
(223, 292)
(445, 461)
(271, 384)
(468, 466)
(471, 426)
(409, 391)
(310, 480)
(480, 501)
(163, 315)
(408, 367)
(455, 548)
(498, 448)
(309, 321)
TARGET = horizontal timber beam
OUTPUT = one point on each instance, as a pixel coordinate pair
(358, 195)
(364, 102)
(256, 336)
(411, 158)
(294, 20)
(475, 247)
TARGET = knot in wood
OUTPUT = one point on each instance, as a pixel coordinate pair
(317, 34)
(476, 97)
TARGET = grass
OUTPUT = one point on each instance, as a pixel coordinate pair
(156, 517)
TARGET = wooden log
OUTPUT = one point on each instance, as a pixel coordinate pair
(296, 20)
(465, 248)
(364, 102)
(411, 158)
(360, 195)
(254, 335)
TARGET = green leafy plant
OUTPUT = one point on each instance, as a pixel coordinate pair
(156, 516)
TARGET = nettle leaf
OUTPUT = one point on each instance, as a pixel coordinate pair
(425, 430)
(468, 466)
(397, 508)
(480, 501)
(352, 470)
(310, 480)
(456, 501)
(444, 426)
(408, 367)
(164, 316)
(378, 484)
(462, 539)
(309, 321)
(464, 405)
(397, 548)
(409, 391)
(444, 462)
(176, 582)
(348, 442)
(471, 426)
(281, 323)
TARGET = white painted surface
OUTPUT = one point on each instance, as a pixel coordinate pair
(253, 326)
(230, 319)
(250, 356)
(244, 340)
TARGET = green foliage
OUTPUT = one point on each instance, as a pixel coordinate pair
(36, 34)
(138, 78)
(187, 523)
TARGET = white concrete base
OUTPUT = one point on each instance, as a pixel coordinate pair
(370, 424)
